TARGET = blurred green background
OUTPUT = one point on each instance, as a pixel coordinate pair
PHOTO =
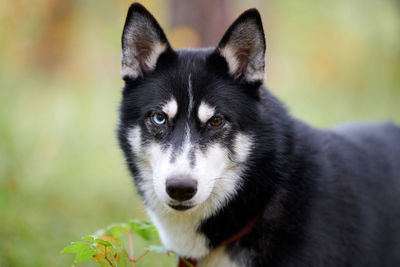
(62, 175)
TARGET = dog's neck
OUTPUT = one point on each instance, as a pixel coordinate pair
(183, 262)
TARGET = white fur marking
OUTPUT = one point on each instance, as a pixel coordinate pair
(156, 51)
(170, 108)
(178, 230)
(190, 90)
(217, 258)
(205, 112)
(130, 60)
(135, 139)
(242, 146)
(230, 57)
(254, 70)
(128, 71)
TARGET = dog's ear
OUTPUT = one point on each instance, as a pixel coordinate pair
(243, 47)
(143, 41)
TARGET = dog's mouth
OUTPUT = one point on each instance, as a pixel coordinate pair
(180, 207)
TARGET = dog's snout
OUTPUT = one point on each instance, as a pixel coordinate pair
(181, 188)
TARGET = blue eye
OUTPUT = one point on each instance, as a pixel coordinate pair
(158, 118)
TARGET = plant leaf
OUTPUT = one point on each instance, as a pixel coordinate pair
(89, 238)
(103, 242)
(83, 250)
(117, 229)
(145, 230)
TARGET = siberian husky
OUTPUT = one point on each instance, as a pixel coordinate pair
(229, 178)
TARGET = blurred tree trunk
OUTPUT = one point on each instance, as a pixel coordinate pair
(209, 18)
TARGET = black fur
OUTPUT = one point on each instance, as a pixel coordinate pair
(327, 197)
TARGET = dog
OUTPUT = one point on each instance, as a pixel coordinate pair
(230, 178)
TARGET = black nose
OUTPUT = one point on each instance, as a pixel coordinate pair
(181, 188)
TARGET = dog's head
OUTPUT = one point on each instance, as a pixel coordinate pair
(188, 118)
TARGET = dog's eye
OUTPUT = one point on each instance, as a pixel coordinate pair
(158, 118)
(215, 121)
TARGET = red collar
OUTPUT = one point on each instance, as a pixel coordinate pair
(184, 262)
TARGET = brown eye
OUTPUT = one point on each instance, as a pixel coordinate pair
(216, 121)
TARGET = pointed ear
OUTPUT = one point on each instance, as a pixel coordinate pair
(143, 41)
(243, 47)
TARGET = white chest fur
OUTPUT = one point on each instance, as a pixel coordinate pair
(178, 233)
(217, 258)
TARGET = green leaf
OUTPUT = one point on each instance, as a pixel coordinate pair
(144, 229)
(158, 249)
(103, 242)
(83, 250)
(117, 229)
(89, 238)
(105, 248)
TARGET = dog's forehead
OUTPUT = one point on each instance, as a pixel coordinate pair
(189, 103)
(185, 85)
(187, 89)
(191, 57)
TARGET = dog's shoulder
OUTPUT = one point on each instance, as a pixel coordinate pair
(374, 138)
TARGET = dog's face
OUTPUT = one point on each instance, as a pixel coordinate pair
(188, 118)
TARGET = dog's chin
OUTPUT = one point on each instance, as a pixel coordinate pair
(181, 207)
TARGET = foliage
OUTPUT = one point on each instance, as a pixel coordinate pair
(106, 247)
